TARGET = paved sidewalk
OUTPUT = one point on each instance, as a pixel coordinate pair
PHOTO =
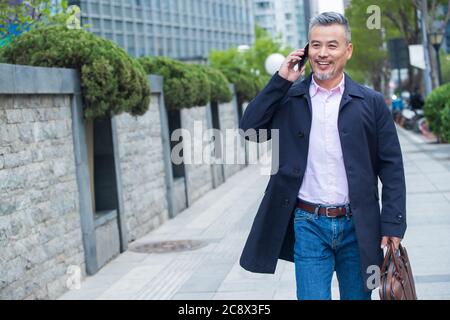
(223, 219)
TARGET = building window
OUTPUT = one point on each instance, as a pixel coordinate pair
(107, 24)
(95, 8)
(106, 10)
(263, 5)
(118, 25)
(118, 11)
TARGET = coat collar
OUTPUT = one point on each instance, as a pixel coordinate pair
(301, 88)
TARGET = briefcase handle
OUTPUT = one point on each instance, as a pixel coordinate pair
(391, 254)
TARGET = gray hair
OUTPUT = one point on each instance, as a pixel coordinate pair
(329, 18)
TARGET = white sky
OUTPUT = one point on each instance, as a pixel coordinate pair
(331, 5)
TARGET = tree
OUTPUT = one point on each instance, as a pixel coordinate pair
(436, 20)
(445, 67)
(18, 16)
(368, 63)
(264, 45)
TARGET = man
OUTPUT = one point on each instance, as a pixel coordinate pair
(321, 209)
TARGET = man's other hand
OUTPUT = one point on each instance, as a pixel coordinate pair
(395, 240)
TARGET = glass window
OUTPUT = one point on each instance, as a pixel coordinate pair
(118, 11)
(107, 24)
(95, 8)
(106, 8)
(138, 13)
(96, 23)
(118, 25)
(130, 26)
(120, 40)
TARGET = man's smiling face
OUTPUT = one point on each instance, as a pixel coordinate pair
(329, 51)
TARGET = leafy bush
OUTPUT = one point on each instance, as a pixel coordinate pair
(112, 82)
(201, 84)
(434, 105)
(220, 90)
(185, 85)
(247, 85)
(445, 120)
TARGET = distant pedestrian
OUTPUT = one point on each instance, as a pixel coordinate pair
(416, 100)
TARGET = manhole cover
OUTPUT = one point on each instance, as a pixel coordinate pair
(169, 246)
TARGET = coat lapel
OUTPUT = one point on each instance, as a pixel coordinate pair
(299, 92)
(351, 90)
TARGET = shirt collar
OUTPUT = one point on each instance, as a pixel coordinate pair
(314, 87)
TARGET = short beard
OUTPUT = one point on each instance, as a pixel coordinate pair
(324, 76)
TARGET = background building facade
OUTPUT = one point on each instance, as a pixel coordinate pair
(288, 18)
(182, 29)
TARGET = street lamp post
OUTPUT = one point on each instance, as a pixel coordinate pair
(436, 40)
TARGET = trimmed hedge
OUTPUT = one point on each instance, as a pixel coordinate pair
(181, 82)
(434, 109)
(445, 120)
(112, 82)
(247, 86)
(201, 84)
(220, 90)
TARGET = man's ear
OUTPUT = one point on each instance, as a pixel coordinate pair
(349, 50)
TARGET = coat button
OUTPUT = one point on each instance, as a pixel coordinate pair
(301, 134)
(285, 202)
(399, 217)
(296, 170)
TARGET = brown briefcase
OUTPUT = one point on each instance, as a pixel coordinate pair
(397, 282)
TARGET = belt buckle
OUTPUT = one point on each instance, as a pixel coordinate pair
(327, 214)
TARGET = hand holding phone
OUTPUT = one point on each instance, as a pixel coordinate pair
(296, 58)
(302, 62)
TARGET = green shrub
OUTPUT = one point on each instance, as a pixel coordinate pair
(246, 84)
(185, 85)
(220, 90)
(201, 84)
(112, 82)
(434, 105)
(445, 121)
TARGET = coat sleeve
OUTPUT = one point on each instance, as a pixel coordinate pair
(391, 173)
(259, 112)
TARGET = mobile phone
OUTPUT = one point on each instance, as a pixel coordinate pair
(302, 62)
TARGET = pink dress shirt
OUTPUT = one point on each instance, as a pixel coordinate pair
(325, 179)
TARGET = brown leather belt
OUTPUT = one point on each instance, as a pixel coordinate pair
(329, 211)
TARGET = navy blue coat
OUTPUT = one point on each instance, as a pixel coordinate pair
(370, 148)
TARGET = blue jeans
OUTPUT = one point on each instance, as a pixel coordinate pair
(324, 245)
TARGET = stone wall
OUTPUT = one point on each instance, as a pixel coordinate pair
(47, 223)
(40, 233)
(198, 175)
(142, 169)
(228, 120)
